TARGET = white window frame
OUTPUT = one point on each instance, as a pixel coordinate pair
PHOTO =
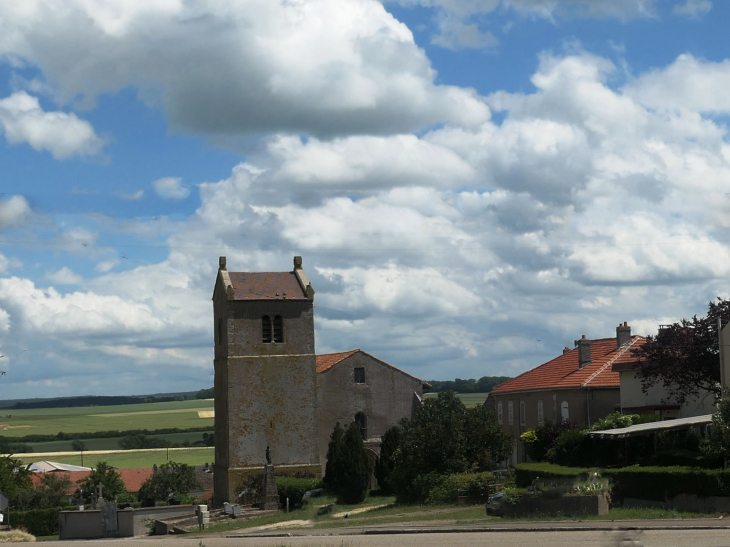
(500, 416)
(510, 413)
(540, 414)
(522, 413)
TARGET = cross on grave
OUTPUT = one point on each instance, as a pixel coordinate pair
(101, 489)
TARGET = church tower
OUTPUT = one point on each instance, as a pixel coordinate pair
(265, 375)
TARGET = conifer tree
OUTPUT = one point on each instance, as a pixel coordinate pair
(348, 469)
(388, 446)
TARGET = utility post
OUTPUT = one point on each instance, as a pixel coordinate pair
(722, 357)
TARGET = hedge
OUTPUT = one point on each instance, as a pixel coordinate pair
(294, 489)
(473, 485)
(525, 473)
(660, 483)
(649, 483)
(39, 522)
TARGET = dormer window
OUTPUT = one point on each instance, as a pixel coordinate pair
(266, 329)
(278, 330)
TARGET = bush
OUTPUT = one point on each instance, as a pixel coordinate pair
(171, 480)
(525, 473)
(39, 522)
(660, 483)
(106, 475)
(473, 485)
(540, 440)
(571, 448)
(294, 489)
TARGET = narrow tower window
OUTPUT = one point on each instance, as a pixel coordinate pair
(266, 329)
(361, 420)
(278, 330)
(359, 375)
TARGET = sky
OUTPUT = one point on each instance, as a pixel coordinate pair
(472, 184)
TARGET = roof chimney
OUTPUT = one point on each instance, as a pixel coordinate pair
(623, 335)
(584, 351)
(566, 349)
(297, 262)
(222, 263)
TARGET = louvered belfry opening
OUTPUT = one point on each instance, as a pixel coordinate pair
(266, 329)
(278, 330)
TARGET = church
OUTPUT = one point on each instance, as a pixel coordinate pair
(272, 389)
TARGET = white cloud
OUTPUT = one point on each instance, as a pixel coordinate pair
(326, 67)
(106, 265)
(693, 9)
(64, 276)
(687, 84)
(134, 196)
(455, 34)
(13, 212)
(64, 135)
(171, 188)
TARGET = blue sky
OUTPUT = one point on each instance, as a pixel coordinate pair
(472, 185)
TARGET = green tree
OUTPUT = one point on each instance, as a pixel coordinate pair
(78, 445)
(384, 466)
(721, 421)
(108, 477)
(169, 481)
(684, 356)
(14, 477)
(349, 475)
(444, 438)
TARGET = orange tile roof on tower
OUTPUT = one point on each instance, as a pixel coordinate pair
(563, 372)
(266, 286)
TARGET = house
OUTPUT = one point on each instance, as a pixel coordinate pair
(356, 386)
(579, 385)
(272, 391)
(656, 399)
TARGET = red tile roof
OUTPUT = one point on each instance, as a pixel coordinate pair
(563, 372)
(266, 286)
(328, 360)
(132, 478)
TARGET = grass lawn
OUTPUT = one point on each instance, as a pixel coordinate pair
(401, 514)
(133, 459)
(45, 421)
(469, 399)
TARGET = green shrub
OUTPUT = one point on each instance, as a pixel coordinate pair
(294, 489)
(540, 440)
(659, 483)
(525, 473)
(571, 448)
(39, 522)
(384, 465)
(348, 469)
(473, 485)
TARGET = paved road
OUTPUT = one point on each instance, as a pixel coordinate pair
(598, 538)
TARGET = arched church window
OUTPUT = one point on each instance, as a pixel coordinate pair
(361, 420)
(564, 411)
(266, 329)
(278, 329)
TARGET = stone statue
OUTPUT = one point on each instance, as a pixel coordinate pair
(268, 455)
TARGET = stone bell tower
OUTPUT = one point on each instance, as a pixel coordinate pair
(265, 375)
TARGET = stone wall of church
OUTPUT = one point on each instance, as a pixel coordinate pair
(266, 393)
(385, 397)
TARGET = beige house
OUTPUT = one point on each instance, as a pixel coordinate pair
(578, 385)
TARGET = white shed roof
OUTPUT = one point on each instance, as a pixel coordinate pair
(653, 427)
(49, 467)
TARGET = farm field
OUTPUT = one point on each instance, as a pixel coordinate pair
(112, 443)
(132, 459)
(469, 399)
(49, 421)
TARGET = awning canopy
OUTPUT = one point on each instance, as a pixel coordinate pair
(653, 427)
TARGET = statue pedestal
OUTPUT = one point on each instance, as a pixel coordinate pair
(269, 494)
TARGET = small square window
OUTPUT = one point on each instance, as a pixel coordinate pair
(360, 375)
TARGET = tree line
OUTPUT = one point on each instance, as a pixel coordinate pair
(485, 384)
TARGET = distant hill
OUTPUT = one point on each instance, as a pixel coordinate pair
(97, 400)
(485, 384)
